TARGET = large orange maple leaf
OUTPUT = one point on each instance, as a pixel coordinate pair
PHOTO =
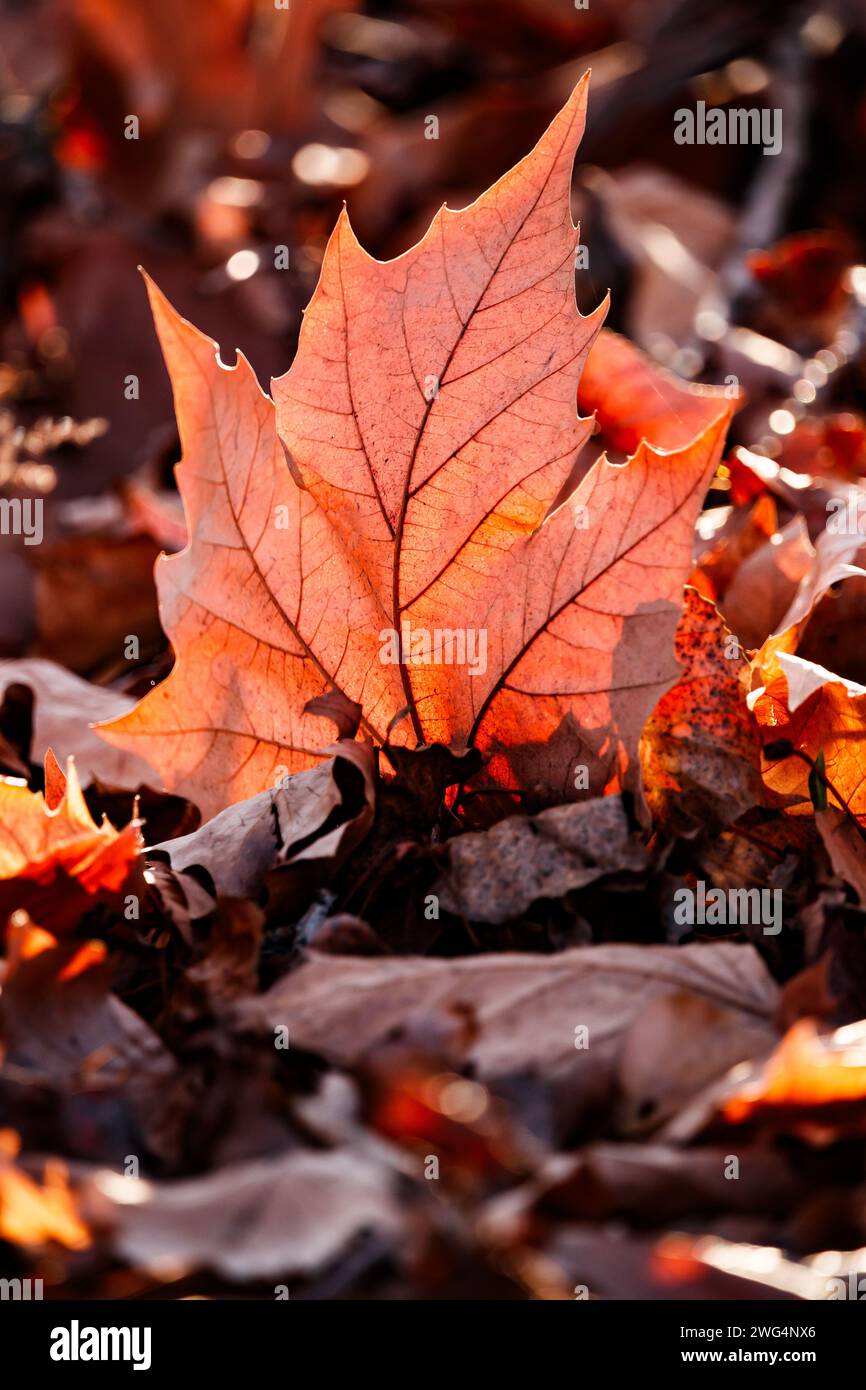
(389, 529)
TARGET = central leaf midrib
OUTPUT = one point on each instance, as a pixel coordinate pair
(398, 536)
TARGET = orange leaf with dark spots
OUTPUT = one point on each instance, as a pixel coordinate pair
(700, 750)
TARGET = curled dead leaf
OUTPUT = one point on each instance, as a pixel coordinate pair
(306, 825)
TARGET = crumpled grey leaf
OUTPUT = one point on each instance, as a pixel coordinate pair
(495, 875)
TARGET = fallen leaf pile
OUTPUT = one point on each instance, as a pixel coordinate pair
(464, 898)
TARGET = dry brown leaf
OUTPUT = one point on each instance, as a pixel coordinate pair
(846, 847)
(677, 1044)
(605, 1181)
(64, 1032)
(766, 583)
(724, 549)
(64, 708)
(80, 575)
(311, 820)
(527, 1007)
